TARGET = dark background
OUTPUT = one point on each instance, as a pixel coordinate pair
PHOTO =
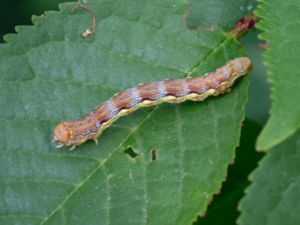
(19, 12)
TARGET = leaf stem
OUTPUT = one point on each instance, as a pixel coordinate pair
(243, 25)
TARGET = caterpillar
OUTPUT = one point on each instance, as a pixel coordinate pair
(91, 126)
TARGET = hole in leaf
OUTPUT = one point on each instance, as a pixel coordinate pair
(153, 154)
(130, 152)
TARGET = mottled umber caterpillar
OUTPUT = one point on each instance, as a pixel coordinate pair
(92, 125)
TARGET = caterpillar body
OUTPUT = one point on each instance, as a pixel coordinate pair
(91, 126)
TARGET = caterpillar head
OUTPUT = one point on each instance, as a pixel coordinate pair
(62, 135)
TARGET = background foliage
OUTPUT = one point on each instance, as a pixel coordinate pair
(50, 73)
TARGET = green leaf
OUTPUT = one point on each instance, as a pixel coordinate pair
(207, 13)
(50, 73)
(223, 209)
(278, 21)
(273, 198)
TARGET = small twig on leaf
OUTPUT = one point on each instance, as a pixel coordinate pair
(91, 30)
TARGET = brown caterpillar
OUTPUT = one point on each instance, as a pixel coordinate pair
(93, 124)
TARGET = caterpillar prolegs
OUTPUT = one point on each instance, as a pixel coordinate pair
(93, 124)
